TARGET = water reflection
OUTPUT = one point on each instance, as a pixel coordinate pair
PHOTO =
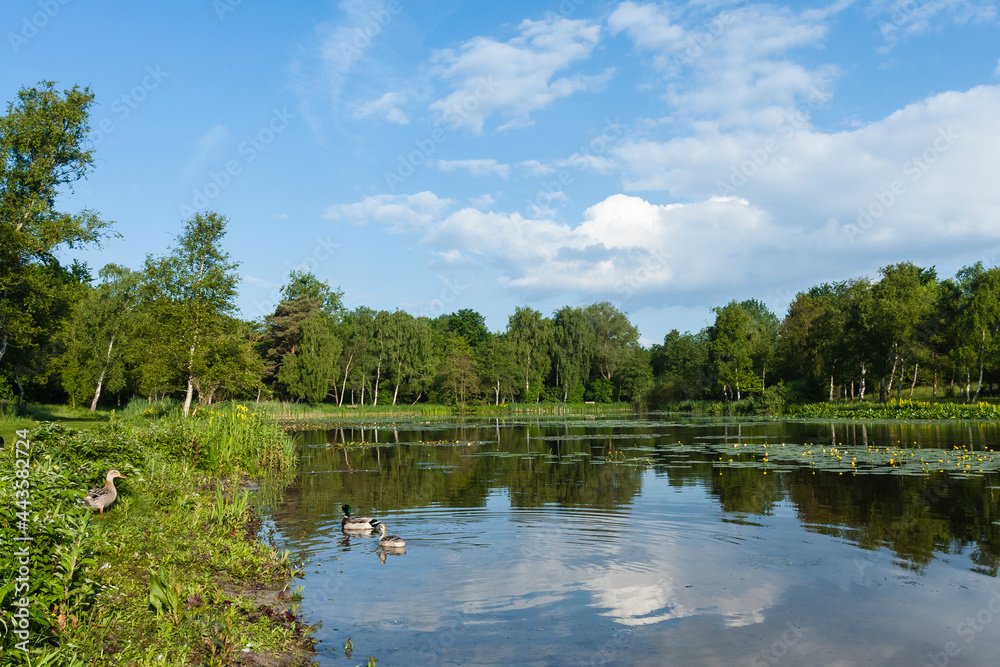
(631, 538)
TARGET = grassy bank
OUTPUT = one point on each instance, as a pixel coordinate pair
(174, 573)
(765, 406)
(303, 415)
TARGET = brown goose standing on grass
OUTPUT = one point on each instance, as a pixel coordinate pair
(103, 496)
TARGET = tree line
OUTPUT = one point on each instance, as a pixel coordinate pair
(172, 328)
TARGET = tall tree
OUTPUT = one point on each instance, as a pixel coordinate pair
(573, 343)
(498, 367)
(614, 337)
(731, 346)
(43, 148)
(530, 336)
(901, 301)
(308, 370)
(192, 290)
(979, 318)
(303, 297)
(100, 333)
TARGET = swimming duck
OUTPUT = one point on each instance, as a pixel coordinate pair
(103, 496)
(356, 522)
(389, 540)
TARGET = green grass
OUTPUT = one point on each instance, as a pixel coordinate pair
(166, 576)
(300, 415)
(893, 409)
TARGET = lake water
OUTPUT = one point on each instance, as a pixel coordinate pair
(652, 541)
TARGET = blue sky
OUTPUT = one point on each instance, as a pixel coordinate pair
(432, 156)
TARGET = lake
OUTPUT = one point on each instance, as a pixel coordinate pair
(651, 540)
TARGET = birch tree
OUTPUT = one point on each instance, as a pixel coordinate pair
(190, 291)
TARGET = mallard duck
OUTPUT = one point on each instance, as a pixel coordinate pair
(103, 496)
(389, 540)
(356, 522)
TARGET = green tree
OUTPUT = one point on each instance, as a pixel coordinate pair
(100, 334)
(308, 370)
(191, 291)
(573, 348)
(978, 320)
(43, 149)
(901, 301)
(614, 337)
(530, 337)
(498, 367)
(407, 346)
(681, 366)
(731, 340)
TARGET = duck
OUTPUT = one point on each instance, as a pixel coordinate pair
(356, 522)
(103, 496)
(389, 540)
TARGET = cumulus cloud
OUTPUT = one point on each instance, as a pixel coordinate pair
(398, 212)
(738, 72)
(517, 77)
(385, 107)
(476, 167)
(920, 171)
(623, 245)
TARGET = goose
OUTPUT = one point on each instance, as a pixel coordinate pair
(356, 523)
(103, 496)
(389, 540)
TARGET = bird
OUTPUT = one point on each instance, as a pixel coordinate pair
(357, 523)
(389, 540)
(103, 496)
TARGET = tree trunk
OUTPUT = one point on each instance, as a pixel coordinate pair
(190, 384)
(979, 385)
(968, 384)
(934, 390)
(20, 389)
(378, 376)
(892, 376)
(899, 387)
(831, 389)
(861, 395)
(852, 390)
(498, 394)
(100, 380)
(343, 387)
(3, 346)
(916, 369)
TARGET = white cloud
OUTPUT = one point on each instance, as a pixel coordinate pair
(483, 201)
(897, 20)
(624, 245)
(476, 167)
(934, 153)
(739, 75)
(583, 161)
(536, 168)
(398, 212)
(517, 77)
(386, 107)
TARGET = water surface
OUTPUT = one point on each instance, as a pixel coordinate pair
(652, 541)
